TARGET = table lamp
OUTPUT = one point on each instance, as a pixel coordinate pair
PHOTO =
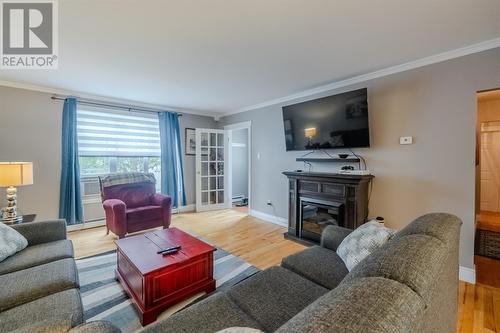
(14, 174)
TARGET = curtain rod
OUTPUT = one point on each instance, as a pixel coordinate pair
(114, 105)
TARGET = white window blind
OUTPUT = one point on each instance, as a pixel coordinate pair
(113, 133)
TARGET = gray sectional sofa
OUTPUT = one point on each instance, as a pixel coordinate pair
(40, 283)
(408, 285)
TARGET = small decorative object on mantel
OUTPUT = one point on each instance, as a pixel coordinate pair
(14, 174)
(190, 143)
(378, 219)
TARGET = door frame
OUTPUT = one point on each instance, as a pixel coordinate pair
(229, 129)
(227, 203)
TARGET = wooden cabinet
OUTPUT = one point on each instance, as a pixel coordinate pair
(316, 200)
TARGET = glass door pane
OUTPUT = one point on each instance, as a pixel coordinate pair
(210, 166)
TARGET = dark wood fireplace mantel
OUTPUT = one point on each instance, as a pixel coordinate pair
(317, 199)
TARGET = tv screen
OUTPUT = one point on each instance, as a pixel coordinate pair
(337, 121)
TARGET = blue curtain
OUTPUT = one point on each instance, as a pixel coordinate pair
(172, 174)
(70, 198)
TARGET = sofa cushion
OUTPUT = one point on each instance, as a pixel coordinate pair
(99, 326)
(46, 326)
(274, 296)
(362, 242)
(209, 315)
(320, 265)
(62, 306)
(32, 283)
(11, 242)
(140, 214)
(37, 255)
(375, 305)
(414, 260)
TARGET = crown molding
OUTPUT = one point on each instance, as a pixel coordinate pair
(63, 92)
(433, 59)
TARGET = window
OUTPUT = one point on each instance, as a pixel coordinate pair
(111, 141)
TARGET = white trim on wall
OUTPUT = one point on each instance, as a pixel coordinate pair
(109, 99)
(440, 57)
(184, 209)
(269, 218)
(467, 274)
(433, 59)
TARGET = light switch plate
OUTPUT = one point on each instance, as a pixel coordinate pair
(406, 140)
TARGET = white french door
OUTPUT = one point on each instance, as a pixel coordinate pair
(211, 170)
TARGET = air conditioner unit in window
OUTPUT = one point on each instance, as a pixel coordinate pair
(91, 188)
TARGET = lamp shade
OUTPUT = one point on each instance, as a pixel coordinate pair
(16, 173)
(310, 132)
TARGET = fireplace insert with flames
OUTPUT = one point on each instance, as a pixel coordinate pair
(316, 215)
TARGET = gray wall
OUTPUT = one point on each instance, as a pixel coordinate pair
(240, 162)
(436, 104)
(30, 130)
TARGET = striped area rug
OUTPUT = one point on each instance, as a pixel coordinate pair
(104, 299)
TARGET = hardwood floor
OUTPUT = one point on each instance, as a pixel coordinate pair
(488, 269)
(262, 244)
(488, 221)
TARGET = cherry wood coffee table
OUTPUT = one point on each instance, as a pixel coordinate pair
(154, 281)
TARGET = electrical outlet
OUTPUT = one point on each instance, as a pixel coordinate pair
(269, 203)
(406, 140)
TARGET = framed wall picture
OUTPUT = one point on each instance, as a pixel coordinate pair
(190, 143)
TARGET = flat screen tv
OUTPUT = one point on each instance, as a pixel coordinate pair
(337, 121)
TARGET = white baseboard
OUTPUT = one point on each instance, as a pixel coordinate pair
(185, 209)
(467, 274)
(87, 225)
(269, 218)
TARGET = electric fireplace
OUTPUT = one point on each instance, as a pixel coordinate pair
(317, 200)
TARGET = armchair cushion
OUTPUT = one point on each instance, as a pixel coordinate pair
(133, 195)
(140, 214)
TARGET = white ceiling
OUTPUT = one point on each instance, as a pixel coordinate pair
(217, 56)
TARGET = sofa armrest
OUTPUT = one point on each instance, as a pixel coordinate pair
(116, 216)
(165, 202)
(99, 326)
(333, 235)
(115, 205)
(42, 232)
